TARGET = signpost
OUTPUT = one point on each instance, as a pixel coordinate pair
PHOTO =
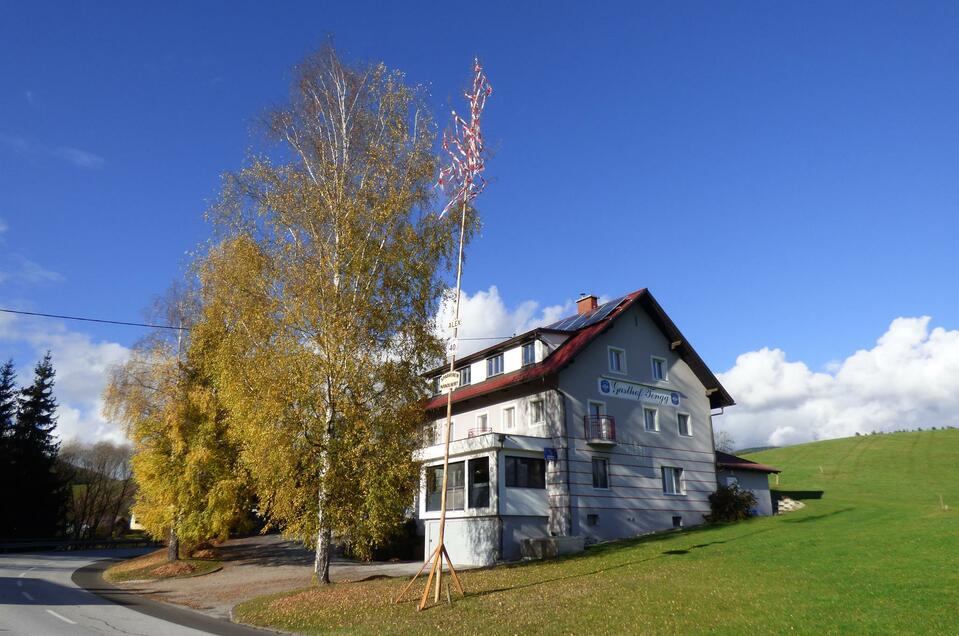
(464, 144)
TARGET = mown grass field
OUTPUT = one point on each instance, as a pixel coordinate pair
(873, 551)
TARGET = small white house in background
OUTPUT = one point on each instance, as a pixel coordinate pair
(749, 475)
(597, 426)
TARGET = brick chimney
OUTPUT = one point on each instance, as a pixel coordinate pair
(586, 304)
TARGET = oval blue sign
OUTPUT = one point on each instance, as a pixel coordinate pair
(674, 398)
(604, 386)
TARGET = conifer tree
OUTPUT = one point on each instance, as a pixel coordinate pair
(8, 419)
(37, 490)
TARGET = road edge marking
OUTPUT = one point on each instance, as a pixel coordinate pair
(61, 617)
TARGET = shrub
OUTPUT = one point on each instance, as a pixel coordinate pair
(730, 503)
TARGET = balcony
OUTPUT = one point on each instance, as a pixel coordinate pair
(476, 432)
(600, 430)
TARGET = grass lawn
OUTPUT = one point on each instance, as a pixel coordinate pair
(154, 566)
(872, 552)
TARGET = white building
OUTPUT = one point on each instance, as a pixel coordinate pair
(748, 475)
(597, 426)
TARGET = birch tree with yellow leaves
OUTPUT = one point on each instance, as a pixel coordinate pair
(191, 487)
(318, 302)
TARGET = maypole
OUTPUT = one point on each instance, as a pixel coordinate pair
(463, 141)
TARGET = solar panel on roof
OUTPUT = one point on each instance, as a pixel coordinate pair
(573, 323)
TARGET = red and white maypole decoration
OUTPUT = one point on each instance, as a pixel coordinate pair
(462, 179)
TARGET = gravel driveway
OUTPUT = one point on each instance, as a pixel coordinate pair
(255, 566)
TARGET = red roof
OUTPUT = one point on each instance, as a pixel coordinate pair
(578, 341)
(725, 460)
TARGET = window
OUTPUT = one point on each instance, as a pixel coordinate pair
(596, 408)
(494, 365)
(438, 431)
(482, 423)
(651, 419)
(465, 376)
(673, 482)
(592, 519)
(684, 426)
(454, 487)
(659, 368)
(537, 414)
(479, 483)
(509, 418)
(436, 385)
(677, 522)
(617, 360)
(600, 473)
(525, 472)
(529, 353)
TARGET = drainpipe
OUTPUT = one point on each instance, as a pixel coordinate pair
(499, 476)
(566, 440)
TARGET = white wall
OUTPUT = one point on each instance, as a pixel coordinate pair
(755, 482)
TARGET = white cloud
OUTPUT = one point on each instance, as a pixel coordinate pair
(76, 156)
(80, 158)
(22, 270)
(3, 226)
(82, 366)
(485, 315)
(909, 379)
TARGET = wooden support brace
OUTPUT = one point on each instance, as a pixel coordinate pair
(453, 574)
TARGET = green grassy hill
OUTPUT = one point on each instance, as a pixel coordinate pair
(873, 551)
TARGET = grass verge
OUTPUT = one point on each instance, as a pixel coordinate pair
(154, 566)
(873, 551)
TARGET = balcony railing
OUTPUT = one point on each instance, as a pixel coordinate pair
(600, 429)
(476, 432)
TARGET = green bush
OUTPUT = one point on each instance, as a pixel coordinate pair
(730, 503)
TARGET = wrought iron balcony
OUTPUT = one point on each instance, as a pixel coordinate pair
(600, 429)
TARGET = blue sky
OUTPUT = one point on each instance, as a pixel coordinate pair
(779, 176)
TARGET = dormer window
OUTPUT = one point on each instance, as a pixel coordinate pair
(435, 385)
(494, 365)
(465, 376)
(529, 353)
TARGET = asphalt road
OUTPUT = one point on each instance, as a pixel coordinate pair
(40, 595)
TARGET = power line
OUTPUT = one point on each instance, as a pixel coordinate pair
(100, 320)
(153, 326)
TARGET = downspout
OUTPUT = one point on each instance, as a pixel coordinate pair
(566, 439)
(712, 439)
(499, 477)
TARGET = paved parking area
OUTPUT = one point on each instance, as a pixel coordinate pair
(255, 566)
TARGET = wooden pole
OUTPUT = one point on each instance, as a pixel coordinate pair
(440, 552)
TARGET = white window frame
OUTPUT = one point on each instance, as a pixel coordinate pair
(605, 460)
(689, 424)
(532, 422)
(522, 353)
(652, 369)
(600, 402)
(502, 416)
(622, 359)
(682, 480)
(468, 369)
(486, 415)
(502, 365)
(438, 431)
(655, 419)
